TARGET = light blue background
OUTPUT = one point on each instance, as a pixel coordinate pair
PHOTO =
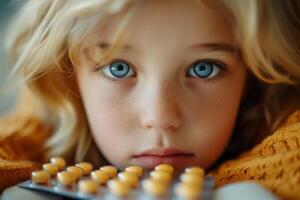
(7, 98)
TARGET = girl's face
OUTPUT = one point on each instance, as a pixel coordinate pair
(172, 92)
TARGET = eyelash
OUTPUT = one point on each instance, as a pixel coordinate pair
(222, 67)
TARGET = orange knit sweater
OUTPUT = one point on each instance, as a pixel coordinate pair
(274, 163)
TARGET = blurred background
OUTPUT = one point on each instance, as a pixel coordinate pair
(7, 99)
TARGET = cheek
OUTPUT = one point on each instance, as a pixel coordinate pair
(213, 117)
(109, 119)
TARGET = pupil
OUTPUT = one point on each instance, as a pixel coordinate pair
(120, 67)
(202, 67)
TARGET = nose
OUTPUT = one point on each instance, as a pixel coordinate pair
(161, 110)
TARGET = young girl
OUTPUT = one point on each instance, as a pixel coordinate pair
(147, 82)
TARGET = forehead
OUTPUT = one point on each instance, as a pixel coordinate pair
(188, 21)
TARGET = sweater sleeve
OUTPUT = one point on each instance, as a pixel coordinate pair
(21, 148)
(274, 163)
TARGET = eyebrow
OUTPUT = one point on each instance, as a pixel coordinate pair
(106, 45)
(209, 46)
(216, 47)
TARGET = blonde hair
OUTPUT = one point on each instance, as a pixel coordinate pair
(268, 35)
(47, 34)
(44, 41)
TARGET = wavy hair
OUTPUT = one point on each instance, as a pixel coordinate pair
(46, 35)
(268, 35)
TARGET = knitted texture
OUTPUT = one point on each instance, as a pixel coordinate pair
(274, 163)
(21, 141)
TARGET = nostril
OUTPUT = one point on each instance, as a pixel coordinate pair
(170, 122)
(162, 112)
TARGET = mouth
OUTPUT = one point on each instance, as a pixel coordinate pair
(150, 158)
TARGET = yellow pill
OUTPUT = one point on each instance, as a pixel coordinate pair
(192, 179)
(86, 167)
(77, 171)
(136, 170)
(154, 187)
(130, 178)
(40, 177)
(195, 170)
(118, 187)
(111, 170)
(52, 169)
(99, 176)
(59, 162)
(88, 186)
(161, 175)
(165, 167)
(66, 178)
(187, 191)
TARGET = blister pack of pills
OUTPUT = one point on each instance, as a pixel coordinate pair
(81, 181)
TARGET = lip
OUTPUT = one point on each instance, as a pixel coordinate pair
(150, 158)
(163, 152)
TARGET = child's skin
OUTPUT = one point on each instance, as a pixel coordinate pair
(160, 103)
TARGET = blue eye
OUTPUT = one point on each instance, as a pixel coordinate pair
(118, 69)
(204, 70)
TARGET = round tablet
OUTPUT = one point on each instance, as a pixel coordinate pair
(118, 187)
(59, 162)
(187, 191)
(195, 170)
(66, 178)
(154, 187)
(111, 170)
(135, 169)
(86, 167)
(192, 179)
(129, 178)
(77, 171)
(52, 169)
(165, 167)
(161, 175)
(88, 186)
(99, 176)
(40, 177)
